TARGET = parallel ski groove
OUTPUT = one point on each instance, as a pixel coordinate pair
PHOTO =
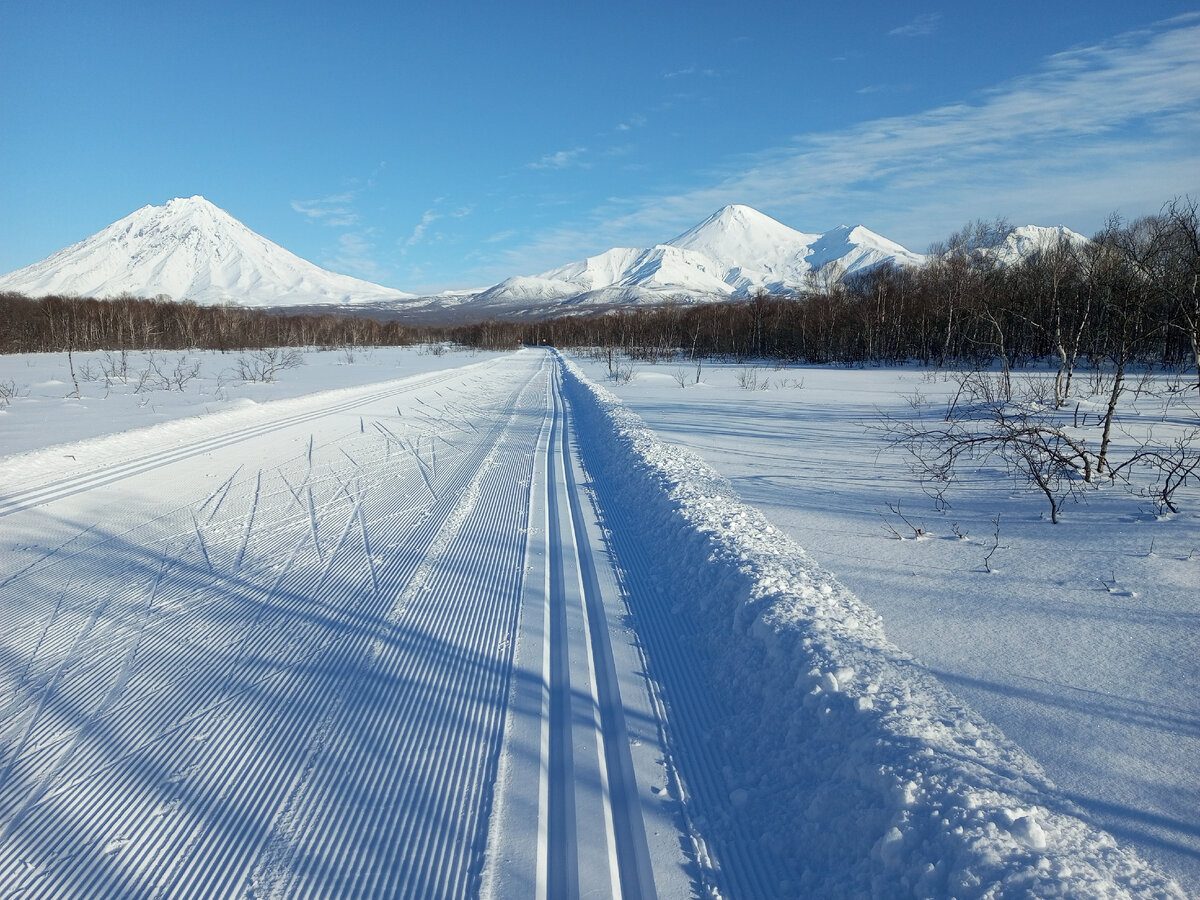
(696, 712)
(270, 605)
(87, 480)
(299, 684)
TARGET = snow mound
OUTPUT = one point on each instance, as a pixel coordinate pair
(881, 782)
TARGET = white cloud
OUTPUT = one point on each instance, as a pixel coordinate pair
(690, 70)
(1110, 126)
(561, 160)
(919, 27)
(355, 255)
(418, 232)
(334, 210)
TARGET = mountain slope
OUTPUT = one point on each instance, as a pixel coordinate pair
(733, 253)
(189, 249)
(1025, 240)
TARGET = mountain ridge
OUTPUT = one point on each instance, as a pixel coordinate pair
(734, 253)
(190, 249)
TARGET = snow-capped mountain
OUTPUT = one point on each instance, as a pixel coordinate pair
(190, 249)
(733, 253)
(1026, 240)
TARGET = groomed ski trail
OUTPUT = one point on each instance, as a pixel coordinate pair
(567, 729)
(298, 659)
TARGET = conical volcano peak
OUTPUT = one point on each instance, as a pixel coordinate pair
(189, 248)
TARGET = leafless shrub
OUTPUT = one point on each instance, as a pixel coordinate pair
(748, 379)
(987, 557)
(1030, 444)
(1169, 468)
(917, 531)
(979, 387)
(186, 370)
(10, 391)
(1039, 445)
(263, 365)
(1037, 389)
(151, 378)
(115, 366)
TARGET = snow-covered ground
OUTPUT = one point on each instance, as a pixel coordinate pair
(1082, 643)
(434, 625)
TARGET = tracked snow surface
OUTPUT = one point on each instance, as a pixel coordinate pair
(473, 631)
(189, 249)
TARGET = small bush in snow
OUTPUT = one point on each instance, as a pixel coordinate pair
(9, 391)
(263, 365)
(748, 380)
(1044, 446)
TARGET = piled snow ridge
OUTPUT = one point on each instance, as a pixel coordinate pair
(881, 782)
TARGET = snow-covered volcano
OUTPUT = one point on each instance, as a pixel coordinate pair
(189, 249)
(734, 253)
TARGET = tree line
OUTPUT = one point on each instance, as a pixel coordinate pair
(56, 323)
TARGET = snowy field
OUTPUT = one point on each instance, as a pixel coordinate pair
(434, 625)
(1083, 641)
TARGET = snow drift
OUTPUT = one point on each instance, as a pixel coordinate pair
(869, 778)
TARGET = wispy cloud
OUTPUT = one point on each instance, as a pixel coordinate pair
(1097, 128)
(919, 27)
(334, 210)
(355, 255)
(690, 70)
(418, 232)
(563, 159)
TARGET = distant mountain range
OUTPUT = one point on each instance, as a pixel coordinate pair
(735, 252)
(191, 249)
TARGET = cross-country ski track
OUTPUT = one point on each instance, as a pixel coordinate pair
(279, 660)
(452, 636)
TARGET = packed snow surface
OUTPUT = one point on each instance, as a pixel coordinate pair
(469, 629)
(188, 249)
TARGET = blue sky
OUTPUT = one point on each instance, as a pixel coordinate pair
(454, 144)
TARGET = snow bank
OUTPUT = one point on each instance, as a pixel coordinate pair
(878, 781)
